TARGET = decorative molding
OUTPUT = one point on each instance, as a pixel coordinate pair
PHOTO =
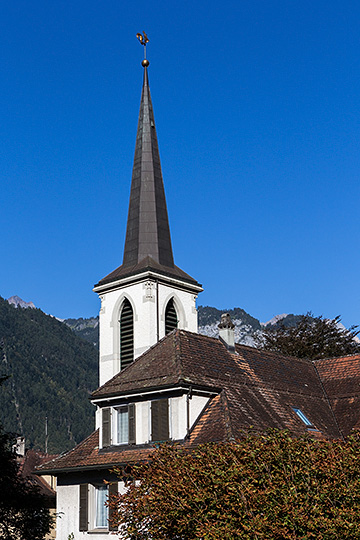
(149, 290)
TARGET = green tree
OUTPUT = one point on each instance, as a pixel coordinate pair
(312, 337)
(269, 486)
(23, 514)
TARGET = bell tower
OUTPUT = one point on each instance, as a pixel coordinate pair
(147, 296)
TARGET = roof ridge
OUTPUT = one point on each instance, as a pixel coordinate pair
(336, 357)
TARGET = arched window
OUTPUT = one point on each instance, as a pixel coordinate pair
(126, 335)
(171, 320)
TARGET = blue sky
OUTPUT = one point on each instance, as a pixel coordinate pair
(257, 108)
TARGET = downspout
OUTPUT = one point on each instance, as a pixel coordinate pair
(157, 312)
(188, 397)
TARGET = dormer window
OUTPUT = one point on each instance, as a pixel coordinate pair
(303, 418)
(126, 424)
(118, 425)
(171, 320)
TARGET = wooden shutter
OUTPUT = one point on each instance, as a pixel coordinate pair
(106, 427)
(113, 489)
(160, 420)
(83, 507)
(132, 436)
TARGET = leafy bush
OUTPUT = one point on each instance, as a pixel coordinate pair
(266, 487)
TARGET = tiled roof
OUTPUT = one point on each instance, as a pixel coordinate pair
(341, 380)
(32, 460)
(253, 389)
(260, 387)
(86, 455)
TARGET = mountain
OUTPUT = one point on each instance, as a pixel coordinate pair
(87, 329)
(247, 328)
(16, 301)
(51, 374)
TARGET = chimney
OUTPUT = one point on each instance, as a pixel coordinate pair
(19, 447)
(226, 332)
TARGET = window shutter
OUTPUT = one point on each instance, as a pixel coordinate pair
(113, 489)
(160, 420)
(106, 431)
(132, 436)
(83, 508)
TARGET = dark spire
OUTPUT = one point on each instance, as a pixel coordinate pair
(148, 232)
(148, 242)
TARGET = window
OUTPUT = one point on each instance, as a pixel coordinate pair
(126, 335)
(118, 425)
(122, 425)
(303, 418)
(126, 424)
(160, 420)
(171, 321)
(101, 510)
(93, 512)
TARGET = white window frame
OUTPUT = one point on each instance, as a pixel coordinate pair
(101, 489)
(116, 422)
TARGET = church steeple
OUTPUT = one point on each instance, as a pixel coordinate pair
(148, 242)
(148, 232)
(147, 296)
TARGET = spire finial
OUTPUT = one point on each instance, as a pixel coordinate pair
(143, 39)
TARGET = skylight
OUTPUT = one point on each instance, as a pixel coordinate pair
(302, 417)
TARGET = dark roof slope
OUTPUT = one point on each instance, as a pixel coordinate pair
(28, 465)
(147, 265)
(253, 389)
(87, 456)
(148, 240)
(341, 380)
(261, 388)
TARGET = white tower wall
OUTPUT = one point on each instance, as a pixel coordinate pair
(148, 297)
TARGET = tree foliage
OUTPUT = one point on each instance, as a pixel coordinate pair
(268, 487)
(312, 337)
(52, 373)
(23, 512)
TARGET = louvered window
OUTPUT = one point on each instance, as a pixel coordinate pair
(160, 420)
(126, 335)
(171, 321)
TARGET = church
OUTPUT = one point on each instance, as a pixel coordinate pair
(162, 381)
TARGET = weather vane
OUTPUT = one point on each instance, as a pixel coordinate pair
(143, 39)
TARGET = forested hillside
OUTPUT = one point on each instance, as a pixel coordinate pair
(51, 374)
